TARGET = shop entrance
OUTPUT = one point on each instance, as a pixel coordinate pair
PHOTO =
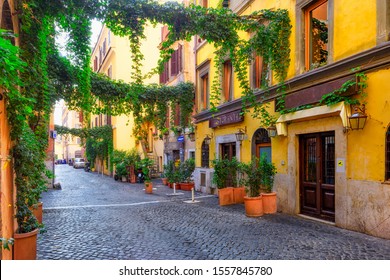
(317, 175)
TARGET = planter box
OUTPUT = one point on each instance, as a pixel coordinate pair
(25, 246)
(269, 203)
(238, 195)
(186, 186)
(226, 196)
(148, 187)
(253, 206)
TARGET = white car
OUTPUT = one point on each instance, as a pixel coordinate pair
(79, 163)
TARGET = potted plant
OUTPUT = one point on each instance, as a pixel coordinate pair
(252, 179)
(186, 169)
(224, 180)
(30, 183)
(131, 159)
(169, 172)
(146, 164)
(121, 171)
(268, 171)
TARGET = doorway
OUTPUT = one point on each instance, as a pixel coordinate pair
(317, 175)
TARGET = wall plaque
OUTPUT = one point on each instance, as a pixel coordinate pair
(227, 118)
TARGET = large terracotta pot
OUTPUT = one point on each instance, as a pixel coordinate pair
(148, 187)
(238, 195)
(25, 245)
(269, 203)
(253, 206)
(186, 186)
(225, 196)
(37, 211)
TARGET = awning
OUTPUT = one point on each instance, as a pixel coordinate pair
(313, 113)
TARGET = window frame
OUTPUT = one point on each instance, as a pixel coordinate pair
(300, 59)
(203, 86)
(227, 81)
(308, 36)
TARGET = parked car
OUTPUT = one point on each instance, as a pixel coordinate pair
(78, 163)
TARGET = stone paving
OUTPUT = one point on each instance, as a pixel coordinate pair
(94, 217)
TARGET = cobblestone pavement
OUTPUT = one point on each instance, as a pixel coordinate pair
(95, 217)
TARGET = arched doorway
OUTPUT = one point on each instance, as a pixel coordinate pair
(262, 144)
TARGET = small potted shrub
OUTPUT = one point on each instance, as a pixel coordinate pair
(186, 169)
(252, 179)
(121, 171)
(224, 180)
(146, 164)
(268, 171)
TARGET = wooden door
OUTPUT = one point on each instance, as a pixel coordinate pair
(317, 175)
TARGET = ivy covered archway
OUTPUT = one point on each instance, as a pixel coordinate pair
(45, 76)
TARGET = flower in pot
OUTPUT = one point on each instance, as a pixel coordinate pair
(225, 178)
(252, 180)
(146, 164)
(268, 171)
(186, 169)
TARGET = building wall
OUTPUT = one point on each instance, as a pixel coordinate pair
(118, 58)
(362, 196)
(7, 221)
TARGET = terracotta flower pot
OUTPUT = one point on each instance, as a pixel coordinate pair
(269, 203)
(238, 195)
(148, 187)
(186, 186)
(164, 181)
(253, 206)
(226, 196)
(25, 245)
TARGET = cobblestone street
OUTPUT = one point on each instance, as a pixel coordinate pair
(94, 217)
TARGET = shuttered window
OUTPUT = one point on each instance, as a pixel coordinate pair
(227, 85)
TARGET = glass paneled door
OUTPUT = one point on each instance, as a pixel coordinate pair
(317, 175)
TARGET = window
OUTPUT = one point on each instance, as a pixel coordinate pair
(228, 150)
(262, 144)
(204, 91)
(227, 81)
(205, 157)
(109, 72)
(176, 61)
(109, 38)
(260, 73)
(164, 76)
(104, 48)
(203, 86)
(387, 175)
(95, 64)
(204, 3)
(316, 34)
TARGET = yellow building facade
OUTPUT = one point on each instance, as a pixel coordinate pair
(326, 169)
(111, 56)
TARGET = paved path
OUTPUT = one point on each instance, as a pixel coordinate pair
(94, 217)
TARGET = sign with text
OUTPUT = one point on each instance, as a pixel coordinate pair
(180, 138)
(227, 118)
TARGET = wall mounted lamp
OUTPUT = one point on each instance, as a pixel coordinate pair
(207, 139)
(272, 131)
(240, 134)
(358, 118)
(191, 135)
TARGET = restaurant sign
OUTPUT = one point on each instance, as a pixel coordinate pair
(227, 118)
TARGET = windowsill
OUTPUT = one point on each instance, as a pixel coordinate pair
(386, 182)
